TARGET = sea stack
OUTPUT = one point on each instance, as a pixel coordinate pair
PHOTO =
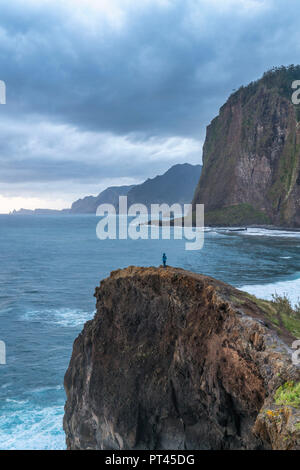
(177, 360)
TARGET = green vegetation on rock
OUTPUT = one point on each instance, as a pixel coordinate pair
(286, 175)
(287, 315)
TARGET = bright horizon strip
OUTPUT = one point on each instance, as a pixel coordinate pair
(9, 204)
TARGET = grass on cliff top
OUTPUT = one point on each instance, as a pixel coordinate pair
(288, 395)
(280, 312)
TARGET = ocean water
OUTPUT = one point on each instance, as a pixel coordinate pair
(49, 268)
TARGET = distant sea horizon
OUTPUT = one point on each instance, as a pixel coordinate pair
(49, 268)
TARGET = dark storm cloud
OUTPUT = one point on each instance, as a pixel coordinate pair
(163, 71)
(158, 69)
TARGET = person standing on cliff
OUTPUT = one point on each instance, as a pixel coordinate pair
(164, 258)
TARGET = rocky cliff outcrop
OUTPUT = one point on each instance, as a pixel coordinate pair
(177, 185)
(176, 360)
(251, 156)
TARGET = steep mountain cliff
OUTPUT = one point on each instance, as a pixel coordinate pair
(176, 360)
(251, 156)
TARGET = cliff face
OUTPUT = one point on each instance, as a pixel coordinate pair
(175, 360)
(251, 156)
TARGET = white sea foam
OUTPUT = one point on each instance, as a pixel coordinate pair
(65, 317)
(6, 385)
(261, 232)
(291, 288)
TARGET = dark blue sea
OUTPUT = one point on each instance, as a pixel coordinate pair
(49, 268)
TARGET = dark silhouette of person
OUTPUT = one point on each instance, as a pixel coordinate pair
(164, 258)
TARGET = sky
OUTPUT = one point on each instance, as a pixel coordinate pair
(111, 92)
